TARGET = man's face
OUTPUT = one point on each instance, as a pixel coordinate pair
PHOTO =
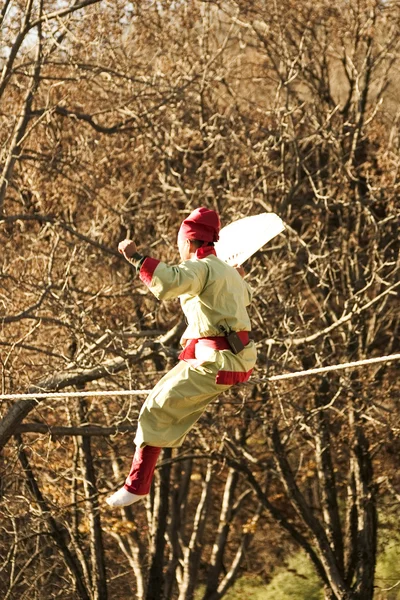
(183, 247)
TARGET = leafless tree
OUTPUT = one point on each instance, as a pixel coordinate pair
(118, 119)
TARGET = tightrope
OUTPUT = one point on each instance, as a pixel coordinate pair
(339, 367)
(283, 376)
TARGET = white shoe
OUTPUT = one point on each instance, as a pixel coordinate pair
(123, 498)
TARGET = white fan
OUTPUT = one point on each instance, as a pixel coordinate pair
(241, 239)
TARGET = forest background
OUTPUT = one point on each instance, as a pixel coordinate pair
(118, 119)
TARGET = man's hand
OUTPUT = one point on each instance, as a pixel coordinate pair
(127, 248)
(240, 270)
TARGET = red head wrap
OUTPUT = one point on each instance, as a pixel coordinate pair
(202, 224)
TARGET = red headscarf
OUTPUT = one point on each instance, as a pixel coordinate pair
(202, 224)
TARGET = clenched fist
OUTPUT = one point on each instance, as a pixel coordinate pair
(127, 248)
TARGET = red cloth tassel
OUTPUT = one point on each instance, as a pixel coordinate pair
(142, 470)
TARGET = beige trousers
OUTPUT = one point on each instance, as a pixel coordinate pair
(181, 396)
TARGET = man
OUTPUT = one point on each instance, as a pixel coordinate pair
(217, 351)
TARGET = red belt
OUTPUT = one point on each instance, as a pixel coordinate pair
(216, 342)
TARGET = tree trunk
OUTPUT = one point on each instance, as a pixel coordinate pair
(99, 579)
(192, 552)
(367, 522)
(57, 531)
(155, 586)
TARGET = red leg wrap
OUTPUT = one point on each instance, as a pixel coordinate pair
(142, 470)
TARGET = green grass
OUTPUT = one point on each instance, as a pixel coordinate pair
(297, 581)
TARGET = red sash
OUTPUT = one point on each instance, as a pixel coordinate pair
(217, 342)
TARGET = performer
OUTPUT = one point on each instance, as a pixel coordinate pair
(217, 351)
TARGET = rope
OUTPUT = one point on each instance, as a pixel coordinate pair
(339, 367)
(317, 371)
(42, 395)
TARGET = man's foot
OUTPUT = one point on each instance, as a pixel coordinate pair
(123, 498)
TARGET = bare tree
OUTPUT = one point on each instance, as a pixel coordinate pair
(119, 119)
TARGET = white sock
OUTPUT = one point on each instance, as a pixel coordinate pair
(123, 498)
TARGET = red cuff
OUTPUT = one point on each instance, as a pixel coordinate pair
(147, 269)
(232, 377)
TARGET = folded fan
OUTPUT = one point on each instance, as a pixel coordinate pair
(241, 239)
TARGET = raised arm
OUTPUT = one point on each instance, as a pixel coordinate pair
(165, 281)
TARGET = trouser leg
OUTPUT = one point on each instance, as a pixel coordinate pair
(142, 470)
(175, 405)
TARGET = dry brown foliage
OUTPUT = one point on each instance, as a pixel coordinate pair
(117, 119)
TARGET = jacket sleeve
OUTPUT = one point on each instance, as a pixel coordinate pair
(167, 282)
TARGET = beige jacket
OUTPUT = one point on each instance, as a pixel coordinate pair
(213, 295)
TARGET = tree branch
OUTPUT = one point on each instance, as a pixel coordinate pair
(83, 430)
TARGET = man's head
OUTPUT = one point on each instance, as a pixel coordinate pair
(200, 228)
